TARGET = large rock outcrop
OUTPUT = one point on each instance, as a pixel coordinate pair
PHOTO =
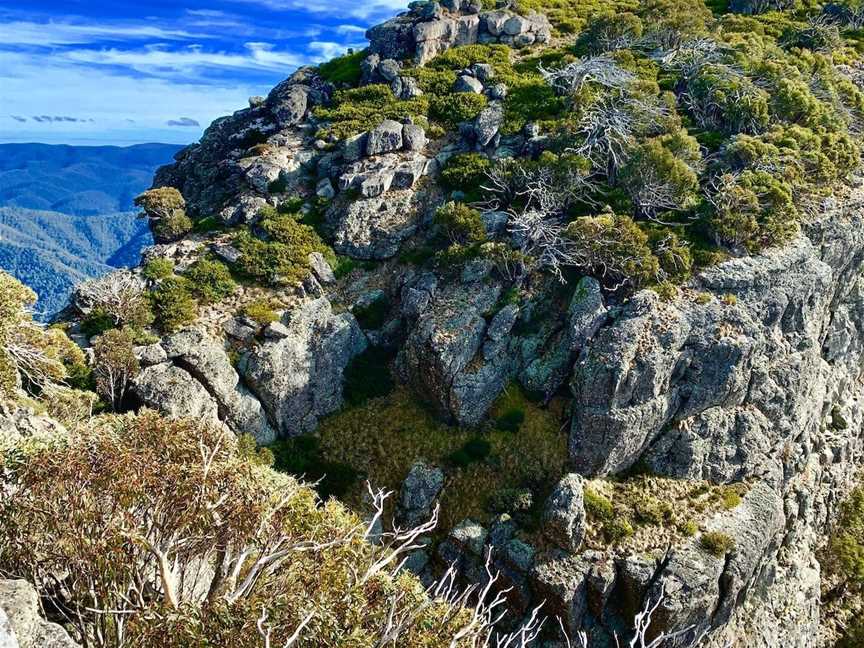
(298, 376)
(193, 376)
(429, 29)
(761, 382)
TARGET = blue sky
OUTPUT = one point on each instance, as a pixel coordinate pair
(124, 71)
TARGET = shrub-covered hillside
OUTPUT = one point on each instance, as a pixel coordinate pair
(584, 274)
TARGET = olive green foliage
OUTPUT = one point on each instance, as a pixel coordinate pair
(261, 311)
(284, 257)
(173, 304)
(465, 172)
(190, 496)
(458, 107)
(343, 69)
(158, 268)
(97, 321)
(461, 224)
(210, 280)
(611, 31)
(114, 365)
(166, 211)
(382, 438)
(660, 175)
(719, 98)
(716, 543)
(357, 110)
(615, 249)
(31, 356)
(845, 553)
(248, 448)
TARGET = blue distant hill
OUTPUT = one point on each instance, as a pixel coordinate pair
(66, 212)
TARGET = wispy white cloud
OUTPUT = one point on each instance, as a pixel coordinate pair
(111, 98)
(158, 60)
(349, 29)
(54, 33)
(363, 10)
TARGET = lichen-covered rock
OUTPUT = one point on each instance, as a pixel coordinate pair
(21, 625)
(173, 391)
(448, 357)
(299, 378)
(19, 422)
(374, 228)
(427, 30)
(489, 123)
(418, 493)
(205, 359)
(564, 514)
(384, 138)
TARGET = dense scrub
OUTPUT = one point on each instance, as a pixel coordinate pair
(116, 521)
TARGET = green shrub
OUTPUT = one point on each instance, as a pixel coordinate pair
(466, 171)
(248, 449)
(114, 365)
(615, 249)
(158, 268)
(461, 224)
(728, 101)
(204, 494)
(753, 209)
(610, 31)
(716, 543)
(357, 110)
(457, 107)
(845, 552)
(343, 69)
(659, 175)
(173, 304)
(96, 322)
(166, 211)
(171, 228)
(689, 528)
(597, 506)
(284, 259)
(617, 529)
(210, 280)
(261, 311)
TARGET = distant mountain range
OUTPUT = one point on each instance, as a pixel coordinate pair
(66, 213)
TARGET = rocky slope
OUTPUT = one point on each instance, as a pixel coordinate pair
(749, 376)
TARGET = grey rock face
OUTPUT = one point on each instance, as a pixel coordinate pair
(436, 359)
(21, 625)
(564, 515)
(489, 123)
(426, 30)
(375, 228)
(414, 137)
(469, 84)
(384, 138)
(299, 377)
(174, 392)
(389, 70)
(418, 493)
(206, 360)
